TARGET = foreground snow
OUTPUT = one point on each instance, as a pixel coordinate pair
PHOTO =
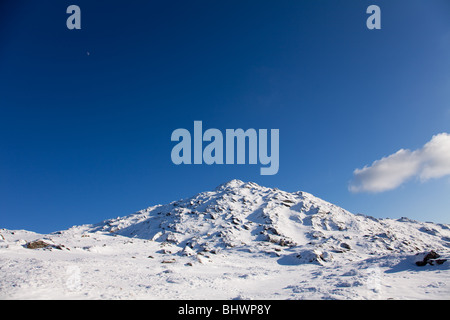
(240, 241)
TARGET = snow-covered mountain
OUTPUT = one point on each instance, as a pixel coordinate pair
(238, 226)
(247, 215)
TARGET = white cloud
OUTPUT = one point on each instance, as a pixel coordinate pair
(429, 162)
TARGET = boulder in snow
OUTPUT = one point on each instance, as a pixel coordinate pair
(428, 257)
(37, 244)
(306, 256)
(187, 251)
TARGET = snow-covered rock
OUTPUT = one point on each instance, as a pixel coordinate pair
(429, 257)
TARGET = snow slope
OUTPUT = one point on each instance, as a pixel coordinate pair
(239, 241)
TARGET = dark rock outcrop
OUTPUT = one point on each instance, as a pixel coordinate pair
(431, 258)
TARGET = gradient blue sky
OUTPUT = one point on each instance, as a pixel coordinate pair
(86, 137)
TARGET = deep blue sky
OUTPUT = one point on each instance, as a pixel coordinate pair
(86, 137)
